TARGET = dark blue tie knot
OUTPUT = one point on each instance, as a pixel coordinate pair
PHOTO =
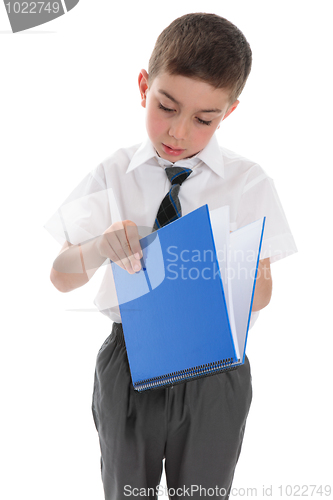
(177, 175)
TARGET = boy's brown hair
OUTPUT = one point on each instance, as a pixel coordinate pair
(205, 47)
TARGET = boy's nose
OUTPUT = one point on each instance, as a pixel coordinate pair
(178, 129)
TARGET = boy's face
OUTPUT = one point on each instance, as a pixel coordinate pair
(182, 113)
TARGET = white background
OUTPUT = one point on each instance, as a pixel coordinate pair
(69, 98)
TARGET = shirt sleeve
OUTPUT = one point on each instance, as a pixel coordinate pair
(85, 213)
(260, 199)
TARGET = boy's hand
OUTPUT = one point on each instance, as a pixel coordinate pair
(120, 243)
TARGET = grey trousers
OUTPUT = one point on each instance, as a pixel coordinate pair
(197, 426)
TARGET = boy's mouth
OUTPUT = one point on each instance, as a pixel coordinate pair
(169, 150)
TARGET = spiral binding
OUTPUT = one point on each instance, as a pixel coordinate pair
(187, 374)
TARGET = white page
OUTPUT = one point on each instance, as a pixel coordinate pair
(220, 222)
(244, 249)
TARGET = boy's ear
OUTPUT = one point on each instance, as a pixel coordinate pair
(231, 109)
(143, 86)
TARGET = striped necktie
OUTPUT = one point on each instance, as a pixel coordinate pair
(170, 208)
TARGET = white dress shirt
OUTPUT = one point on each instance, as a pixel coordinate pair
(130, 185)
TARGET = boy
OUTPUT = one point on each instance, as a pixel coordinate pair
(197, 70)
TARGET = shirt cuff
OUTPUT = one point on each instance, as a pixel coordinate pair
(278, 247)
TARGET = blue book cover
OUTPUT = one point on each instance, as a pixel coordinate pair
(173, 311)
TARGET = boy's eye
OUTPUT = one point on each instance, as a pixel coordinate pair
(164, 109)
(203, 122)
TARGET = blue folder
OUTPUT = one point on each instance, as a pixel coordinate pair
(173, 311)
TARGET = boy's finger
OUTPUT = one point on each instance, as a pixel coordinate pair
(125, 252)
(124, 242)
(135, 247)
(117, 248)
(134, 239)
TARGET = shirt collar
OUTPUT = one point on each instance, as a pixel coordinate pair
(211, 155)
(145, 153)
